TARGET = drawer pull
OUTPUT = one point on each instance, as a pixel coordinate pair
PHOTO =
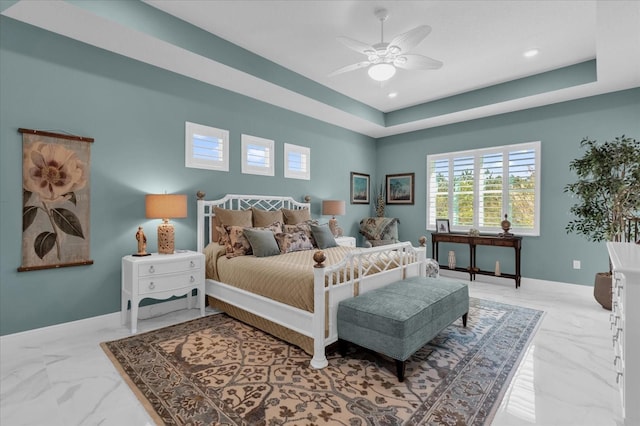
(618, 377)
(192, 264)
(152, 269)
(193, 279)
(151, 285)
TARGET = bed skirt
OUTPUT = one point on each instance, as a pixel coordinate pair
(303, 342)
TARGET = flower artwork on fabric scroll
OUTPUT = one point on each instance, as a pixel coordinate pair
(55, 215)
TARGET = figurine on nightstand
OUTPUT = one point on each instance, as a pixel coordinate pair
(142, 243)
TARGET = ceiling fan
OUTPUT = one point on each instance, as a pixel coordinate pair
(383, 58)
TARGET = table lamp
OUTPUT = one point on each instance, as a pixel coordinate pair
(333, 208)
(165, 207)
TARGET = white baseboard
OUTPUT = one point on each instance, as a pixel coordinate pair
(109, 320)
(490, 279)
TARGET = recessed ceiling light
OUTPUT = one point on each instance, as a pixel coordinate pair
(531, 53)
(392, 95)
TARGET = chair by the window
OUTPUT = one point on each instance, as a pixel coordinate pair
(379, 231)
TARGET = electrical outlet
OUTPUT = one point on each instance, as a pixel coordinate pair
(576, 264)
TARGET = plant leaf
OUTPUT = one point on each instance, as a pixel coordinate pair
(25, 196)
(67, 221)
(44, 243)
(28, 216)
(72, 198)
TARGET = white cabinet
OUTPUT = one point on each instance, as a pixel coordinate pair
(625, 323)
(161, 276)
(346, 241)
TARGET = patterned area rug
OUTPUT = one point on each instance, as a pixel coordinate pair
(219, 371)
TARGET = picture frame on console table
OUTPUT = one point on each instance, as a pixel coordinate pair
(442, 226)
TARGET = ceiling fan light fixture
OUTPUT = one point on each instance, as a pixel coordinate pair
(381, 72)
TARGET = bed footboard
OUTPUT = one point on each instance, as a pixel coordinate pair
(361, 271)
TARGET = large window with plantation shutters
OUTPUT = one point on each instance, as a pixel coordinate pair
(475, 189)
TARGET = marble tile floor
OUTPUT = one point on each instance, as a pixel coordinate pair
(59, 376)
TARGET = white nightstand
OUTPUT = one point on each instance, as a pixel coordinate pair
(346, 241)
(160, 276)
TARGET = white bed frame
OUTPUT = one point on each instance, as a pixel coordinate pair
(373, 267)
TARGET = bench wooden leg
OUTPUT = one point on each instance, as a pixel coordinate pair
(464, 319)
(400, 370)
(342, 347)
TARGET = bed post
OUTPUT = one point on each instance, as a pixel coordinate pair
(422, 255)
(319, 359)
(200, 226)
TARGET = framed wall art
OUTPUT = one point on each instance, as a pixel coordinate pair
(360, 188)
(400, 188)
(55, 200)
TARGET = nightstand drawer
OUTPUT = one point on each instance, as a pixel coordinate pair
(159, 284)
(177, 265)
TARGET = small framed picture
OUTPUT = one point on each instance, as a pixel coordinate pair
(400, 188)
(442, 226)
(359, 188)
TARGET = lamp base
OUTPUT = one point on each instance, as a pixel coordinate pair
(335, 229)
(166, 238)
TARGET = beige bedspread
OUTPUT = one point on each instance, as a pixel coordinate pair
(287, 278)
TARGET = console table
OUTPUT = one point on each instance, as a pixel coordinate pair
(473, 242)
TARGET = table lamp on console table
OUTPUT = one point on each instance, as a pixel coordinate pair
(165, 207)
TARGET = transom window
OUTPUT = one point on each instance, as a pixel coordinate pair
(206, 147)
(297, 162)
(475, 189)
(257, 156)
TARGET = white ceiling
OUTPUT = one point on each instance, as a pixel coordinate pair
(480, 42)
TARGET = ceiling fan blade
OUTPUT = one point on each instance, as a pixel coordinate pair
(417, 62)
(356, 45)
(411, 38)
(351, 67)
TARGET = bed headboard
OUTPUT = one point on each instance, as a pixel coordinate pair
(238, 202)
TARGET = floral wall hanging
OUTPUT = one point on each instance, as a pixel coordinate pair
(55, 206)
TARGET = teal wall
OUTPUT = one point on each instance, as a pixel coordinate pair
(560, 128)
(136, 114)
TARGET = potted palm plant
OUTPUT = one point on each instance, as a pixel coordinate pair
(607, 193)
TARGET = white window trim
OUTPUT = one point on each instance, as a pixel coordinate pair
(261, 142)
(190, 161)
(477, 154)
(305, 152)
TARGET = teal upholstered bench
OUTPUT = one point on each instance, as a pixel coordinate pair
(400, 318)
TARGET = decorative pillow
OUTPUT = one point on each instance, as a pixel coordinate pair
(226, 217)
(237, 244)
(263, 242)
(236, 241)
(266, 217)
(292, 217)
(303, 226)
(295, 241)
(223, 237)
(323, 236)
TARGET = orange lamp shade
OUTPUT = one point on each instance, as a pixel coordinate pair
(166, 206)
(333, 207)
